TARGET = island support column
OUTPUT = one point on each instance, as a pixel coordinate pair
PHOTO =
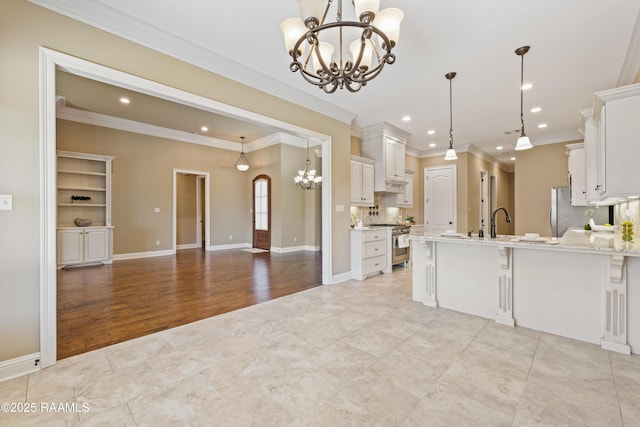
(615, 307)
(424, 279)
(505, 286)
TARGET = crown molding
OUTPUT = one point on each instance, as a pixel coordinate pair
(106, 18)
(631, 64)
(103, 120)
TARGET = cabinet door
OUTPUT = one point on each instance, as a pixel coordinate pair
(356, 182)
(393, 159)
(399, 154)
(96, 245)
(592, 161)
(367, 183)
(577, 173)
(70, 246)
(408, 191)
(622, 147)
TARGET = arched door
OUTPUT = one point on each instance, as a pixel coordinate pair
(262, 212)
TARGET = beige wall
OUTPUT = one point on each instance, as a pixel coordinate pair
(537, 170)
(24, 27)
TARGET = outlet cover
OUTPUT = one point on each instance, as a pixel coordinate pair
(6, 202)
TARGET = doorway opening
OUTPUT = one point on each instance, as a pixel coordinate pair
(191, 209)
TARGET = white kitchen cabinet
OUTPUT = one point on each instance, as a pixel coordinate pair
(405, 199)
(84, 191)
(386, 145)
(86, 245)
(370, 252)
(362, 181)
(592, 156)
(611, 138)
(577, 174)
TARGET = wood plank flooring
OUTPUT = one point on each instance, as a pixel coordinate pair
(103, 305)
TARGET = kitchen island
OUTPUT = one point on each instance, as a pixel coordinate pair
(585, 285)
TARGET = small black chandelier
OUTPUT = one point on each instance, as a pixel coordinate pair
(317, 65)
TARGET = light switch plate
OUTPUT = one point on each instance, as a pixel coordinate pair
(6, 202)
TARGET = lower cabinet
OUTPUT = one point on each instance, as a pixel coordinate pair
(86, 245)
(370, 252)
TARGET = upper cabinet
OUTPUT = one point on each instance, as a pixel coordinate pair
(362, 176)
(386, 145)
(611, 143)
(577, 174)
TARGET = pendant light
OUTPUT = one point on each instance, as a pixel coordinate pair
(523, 142)
(242, 164)
(451, 152)
(307, 178)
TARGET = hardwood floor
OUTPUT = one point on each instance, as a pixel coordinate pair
(102, 305)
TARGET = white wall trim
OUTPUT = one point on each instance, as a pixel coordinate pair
(229, 246)
(137, 255)
(106, 18)
(50, 60)
(19, 366)
(295, 249)
(339, 278)
(187, 246)
(631, 64)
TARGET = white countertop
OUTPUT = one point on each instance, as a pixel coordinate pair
(574, 240)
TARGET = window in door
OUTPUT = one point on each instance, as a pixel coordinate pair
(262, 212)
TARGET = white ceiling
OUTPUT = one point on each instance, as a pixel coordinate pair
(578, 47)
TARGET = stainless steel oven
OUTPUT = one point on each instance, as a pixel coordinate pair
(400, 249)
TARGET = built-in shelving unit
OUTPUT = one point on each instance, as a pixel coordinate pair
(84, 191)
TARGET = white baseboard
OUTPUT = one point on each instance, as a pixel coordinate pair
(230, 246)
(187, 246)
(295, 249)
(150, 254)
(339, 278)
(19, 366)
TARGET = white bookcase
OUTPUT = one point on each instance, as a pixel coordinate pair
(84, 191)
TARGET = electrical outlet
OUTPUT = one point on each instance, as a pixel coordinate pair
(295, 239)
(230, 237)
(156, 210)
(157, 242)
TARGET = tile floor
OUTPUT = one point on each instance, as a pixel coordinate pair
(352, 354)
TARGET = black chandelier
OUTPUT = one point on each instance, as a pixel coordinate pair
(313, 57)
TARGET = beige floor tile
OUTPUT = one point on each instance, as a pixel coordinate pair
(376, 343)
(138, 351)
(395, 326)
(118, 416)
(39, 418)
(325, 414)
(254, 408)
(518, 340)
(342, 360)
(239, 374)
(416, 312)
(462, 320)
(176, 404)
(412, 374)
(14, 390)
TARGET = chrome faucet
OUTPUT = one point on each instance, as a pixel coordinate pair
(493, 221)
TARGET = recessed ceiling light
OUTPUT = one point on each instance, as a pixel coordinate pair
(431, 132)
(527, 86)
(204, 128)
(433, 144)
(536, 109)
(406, 118)
(542, 125)
(124, 100)
(513, 158)
(499, 147)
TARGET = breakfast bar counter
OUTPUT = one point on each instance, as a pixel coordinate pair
(585, 285)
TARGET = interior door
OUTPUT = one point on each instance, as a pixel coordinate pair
(262, 212)
(440, 199)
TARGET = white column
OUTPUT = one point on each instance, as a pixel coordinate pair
(615, 307)
(424, 272)
(505, 286)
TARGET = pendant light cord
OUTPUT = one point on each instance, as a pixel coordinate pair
(522, 93)
(450, 114)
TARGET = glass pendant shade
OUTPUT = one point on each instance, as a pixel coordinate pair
(367, 53)
(311, 9)
(326, 52)
(362, 6)
(388, 21)
(293, 29)
(450, 154)
(523, 143)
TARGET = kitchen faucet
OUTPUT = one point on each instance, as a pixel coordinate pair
(493, 220)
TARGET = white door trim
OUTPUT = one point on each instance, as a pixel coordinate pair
(200, 182)
(49, 61)
(207, 206)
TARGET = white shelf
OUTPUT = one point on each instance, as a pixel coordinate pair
(75, 172)
(77, 188)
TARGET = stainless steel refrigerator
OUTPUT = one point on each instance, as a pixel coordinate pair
(563, 215)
